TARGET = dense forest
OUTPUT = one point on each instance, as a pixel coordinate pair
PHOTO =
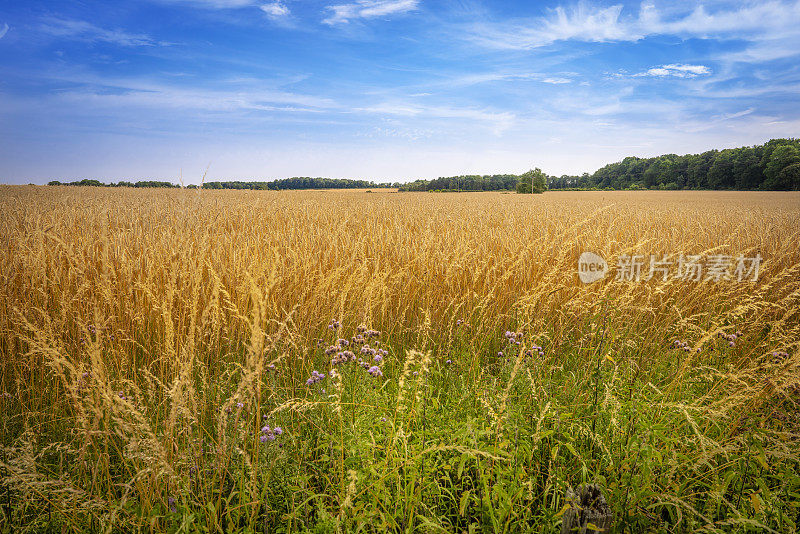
(773, 166)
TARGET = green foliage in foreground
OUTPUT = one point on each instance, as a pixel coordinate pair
(450, 440)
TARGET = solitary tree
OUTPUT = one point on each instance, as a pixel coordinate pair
(533, 181)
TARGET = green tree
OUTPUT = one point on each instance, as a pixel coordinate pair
(720, 174)
(781, 170)
(533, 181)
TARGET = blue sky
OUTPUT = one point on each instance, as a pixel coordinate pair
(389, 90)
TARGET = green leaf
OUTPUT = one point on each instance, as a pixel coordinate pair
(464, 501)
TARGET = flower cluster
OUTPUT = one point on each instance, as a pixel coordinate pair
(343, 357)
(513, 337)
(683, 345)
(779, 356)
(369, 333)
(533, 351)
(730, 338)
(315, 377)
(269, 434)
(377, 354)
(334, 324)
(461, 323)
(340, 355)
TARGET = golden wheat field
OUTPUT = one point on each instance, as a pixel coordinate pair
(340, 361)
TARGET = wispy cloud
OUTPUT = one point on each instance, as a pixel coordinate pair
(590, 23)
(4, 31)
(676, 71)
(275, 10)
(466, 80)
(557, 81)
(367, 9)
(214, 4)
(136, 94)
(498, 121)
(86, 31)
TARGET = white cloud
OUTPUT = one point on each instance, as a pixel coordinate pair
(557, 81)
(125, 94)
(199, 100)
(498, 121)
(677, 71)
(365, 9)
(214, 4)
(590, 23)
(765, 50)
(4, 31)
(493, 77)
(275, 10)
(86, 31)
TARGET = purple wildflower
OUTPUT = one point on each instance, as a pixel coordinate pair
(315, 377)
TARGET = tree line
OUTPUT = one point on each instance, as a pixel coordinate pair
(471, 182)
(773, 166)
(286, 183)
(98, 183)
